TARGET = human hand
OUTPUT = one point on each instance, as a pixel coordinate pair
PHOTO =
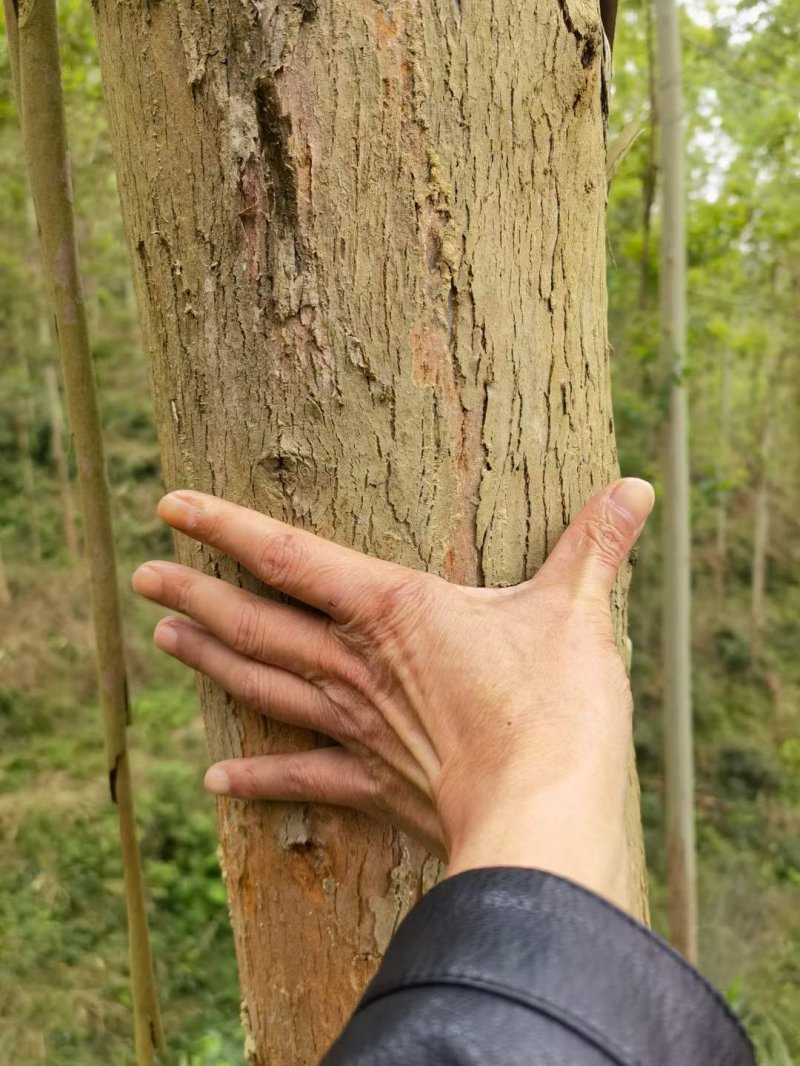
(493, 724)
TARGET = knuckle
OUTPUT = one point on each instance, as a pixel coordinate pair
(401, 601)
(301, 778)
(213, 525)
(248, 635)
(255, 686)
(371, 731)
(279, 558)
(180, 590)
(607, 539)
(245, 781)
(340, 721)
(374, 788)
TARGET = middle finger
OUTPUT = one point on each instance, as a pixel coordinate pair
(259, 628)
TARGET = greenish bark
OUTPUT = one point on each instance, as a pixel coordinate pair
(677, 625)
(68, 526)
(5, 592)
(33, 45)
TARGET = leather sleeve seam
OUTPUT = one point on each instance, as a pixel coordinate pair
(580, 1026)
(651, 939)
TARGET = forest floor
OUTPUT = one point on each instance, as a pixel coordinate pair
(63, 986)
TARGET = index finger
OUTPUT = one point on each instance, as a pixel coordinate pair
(324, 575)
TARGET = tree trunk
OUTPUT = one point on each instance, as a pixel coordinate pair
(368, 243)
(678, 748)
(5, 592)
(650, 171)
(24, 418)
(723, 476)
(60, 459)
(36, 74)
(761, 529)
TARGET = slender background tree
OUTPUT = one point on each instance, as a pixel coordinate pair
(678, 734)
(33, 45)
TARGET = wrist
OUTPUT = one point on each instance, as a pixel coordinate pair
(565, 830)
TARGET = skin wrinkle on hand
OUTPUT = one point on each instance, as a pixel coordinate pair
(410, 688)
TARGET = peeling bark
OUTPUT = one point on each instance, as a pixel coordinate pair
(368, 243)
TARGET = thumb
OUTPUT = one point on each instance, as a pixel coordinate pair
(597, 541)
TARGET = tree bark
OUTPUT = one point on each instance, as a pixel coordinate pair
(723, 477)
(761, 509)
(678, 733)
(760, 542)
(5, 592)
(23, 420)
(60, 458)
(369, 248)
(650, 171)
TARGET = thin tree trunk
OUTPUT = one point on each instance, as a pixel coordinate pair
(24, 414)
(760, 543)
(650, 175)
(5, 592)
(678, 746)
(33, 47)
(368, 243)
(60, 459)
(761, 524)
(723, 476)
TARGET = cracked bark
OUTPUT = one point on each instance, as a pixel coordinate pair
(368, 244)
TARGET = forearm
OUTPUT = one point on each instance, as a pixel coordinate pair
(516, 966)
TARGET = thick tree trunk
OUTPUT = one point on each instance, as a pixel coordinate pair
(678, 733)
(60, 459)
(368, 242)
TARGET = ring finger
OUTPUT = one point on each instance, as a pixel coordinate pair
(275, 692)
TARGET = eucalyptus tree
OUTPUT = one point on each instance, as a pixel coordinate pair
(368, 244)
(677, 621)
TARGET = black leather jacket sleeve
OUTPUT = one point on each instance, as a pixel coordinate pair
(515, 967)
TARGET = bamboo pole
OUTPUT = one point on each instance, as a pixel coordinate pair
(5, 592)
(60, 458)
(33, 46)
(678, 733)
(24, 417)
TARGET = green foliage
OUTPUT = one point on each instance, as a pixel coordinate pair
(742, 86)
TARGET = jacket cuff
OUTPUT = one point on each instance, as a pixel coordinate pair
(544, 942)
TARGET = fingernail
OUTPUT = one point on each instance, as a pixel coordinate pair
(166, 635)
(635, 497)
(217, 781)
(180, 508)
(147, 581)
